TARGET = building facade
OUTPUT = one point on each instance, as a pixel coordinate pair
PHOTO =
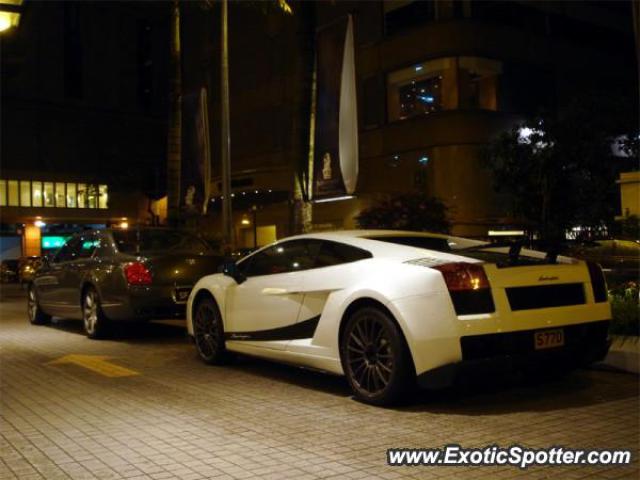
(85, 103)
(436, 81)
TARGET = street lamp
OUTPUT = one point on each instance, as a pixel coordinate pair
(9, 14)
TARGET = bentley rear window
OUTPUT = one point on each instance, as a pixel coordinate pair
(132, 241)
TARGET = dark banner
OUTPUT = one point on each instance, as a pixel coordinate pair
(196, 162)
(335, 162)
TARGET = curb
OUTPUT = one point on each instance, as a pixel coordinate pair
(624, 354)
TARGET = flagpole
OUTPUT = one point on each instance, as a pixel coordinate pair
(227, 227)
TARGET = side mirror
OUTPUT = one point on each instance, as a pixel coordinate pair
(230, 269)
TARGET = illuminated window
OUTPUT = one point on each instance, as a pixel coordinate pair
(60, 195)
(48, 194)
(36, 194)
(14, 195)
(3, 193)
(82, 195)
(103, 200)
(71, 195)
(92, 201)
(25, 193)
(420, 89)
(443, 84)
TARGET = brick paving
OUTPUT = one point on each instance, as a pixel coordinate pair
(180, 419)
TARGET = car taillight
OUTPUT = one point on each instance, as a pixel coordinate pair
(463, 276)
(598, 282)
(468, 286)
(137, 274)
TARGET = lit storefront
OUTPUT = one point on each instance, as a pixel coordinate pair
(37, 193)
(37, 215)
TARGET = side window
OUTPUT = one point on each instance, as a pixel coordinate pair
(69, 251)
(104, 247)
(296, 255)
(334, 253)
(88, 244)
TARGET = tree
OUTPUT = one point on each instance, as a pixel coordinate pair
(559, 171)
(417, 212)
(304, 122)
(629, 227)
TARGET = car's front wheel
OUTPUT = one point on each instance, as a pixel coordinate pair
(36, 315)
(208, 332)
(375, 358)
(95, 323)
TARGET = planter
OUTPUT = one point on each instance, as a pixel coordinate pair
(624, 354)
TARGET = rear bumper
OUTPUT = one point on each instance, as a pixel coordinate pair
(147, 303)
(585, 343)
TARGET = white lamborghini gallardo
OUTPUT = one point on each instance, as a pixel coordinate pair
(390, 308)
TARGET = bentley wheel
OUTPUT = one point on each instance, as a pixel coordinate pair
(95, 323)
(36, 315)
(375, 358)
(208, 332)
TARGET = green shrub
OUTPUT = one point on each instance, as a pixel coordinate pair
(625, 309)
(411, 211)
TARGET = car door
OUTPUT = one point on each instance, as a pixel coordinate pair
(77, 270)
(263, 310)
(51, 281)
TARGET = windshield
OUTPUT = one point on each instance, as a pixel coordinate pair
(132, 241)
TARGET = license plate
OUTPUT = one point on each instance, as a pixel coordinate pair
(181, 294)
(548, 339)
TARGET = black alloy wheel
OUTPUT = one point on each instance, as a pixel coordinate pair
(375, 357)
(208, 332)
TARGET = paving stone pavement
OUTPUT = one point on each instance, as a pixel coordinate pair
(181, 419)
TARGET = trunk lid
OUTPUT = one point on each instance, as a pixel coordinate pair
(545, 274)
(531, 281)
(181, 269)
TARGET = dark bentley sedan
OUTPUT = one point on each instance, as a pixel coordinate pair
(118, 275)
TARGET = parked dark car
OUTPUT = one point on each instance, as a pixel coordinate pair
(119, 275)
(27, 267)
(9, 271)
(619, 259)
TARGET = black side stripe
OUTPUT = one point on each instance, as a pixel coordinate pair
(297, 331)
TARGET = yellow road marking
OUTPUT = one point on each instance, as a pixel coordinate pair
(97, 364)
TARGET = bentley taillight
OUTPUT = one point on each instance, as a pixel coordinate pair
(137, 274)
(468, 286)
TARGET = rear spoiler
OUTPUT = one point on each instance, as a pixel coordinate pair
(514, 250)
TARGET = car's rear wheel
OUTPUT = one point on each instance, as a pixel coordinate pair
(36, 315)
(95, 322)
(375, 358)
(208, 332)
